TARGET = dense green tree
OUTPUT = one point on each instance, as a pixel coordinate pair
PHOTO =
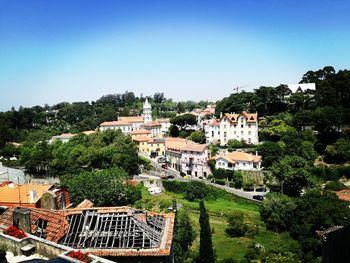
(184, 235)
(103, 188)
(236, 224)
(234, 144)
(197, 136)
(174, 131)
(184, 120)
(206, 252)
(271, 153)
(292, 172)
(277, 212)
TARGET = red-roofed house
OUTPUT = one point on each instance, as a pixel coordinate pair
(241, 127)
(238, 160)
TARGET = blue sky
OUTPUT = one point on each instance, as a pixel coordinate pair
(72, 50)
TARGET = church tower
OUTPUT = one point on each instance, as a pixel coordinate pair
(147, 112)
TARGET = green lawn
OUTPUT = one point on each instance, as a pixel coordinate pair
(225, 246)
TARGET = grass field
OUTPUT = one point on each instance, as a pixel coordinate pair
(225, 246)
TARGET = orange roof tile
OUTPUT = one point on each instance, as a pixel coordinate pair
(235, 156)
(115, 123)
(85, 204)
(140, 131)
(131, 119)
(344, 195)
(141, 138)
(15, 194)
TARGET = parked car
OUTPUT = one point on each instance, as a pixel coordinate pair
(248, 189)
(258, 197)
(161, 160)
(164, 166)
(260, 189)
(154, 190)
(153, 155)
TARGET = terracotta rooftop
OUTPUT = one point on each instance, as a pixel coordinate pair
(344, 195)
(115, 123)
(85, 204)
(141, 138)
(131, 119)
(140, 131)
(14, 194)
(179, 144)
(64, 136)
(104, 231)
(152, 124)
(88, 132)
(233, 117)
(235, 156)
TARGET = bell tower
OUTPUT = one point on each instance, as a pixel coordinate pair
(147, 112)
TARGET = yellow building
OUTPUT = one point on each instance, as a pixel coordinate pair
(150, 146)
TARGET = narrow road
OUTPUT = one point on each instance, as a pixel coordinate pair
(160, 172)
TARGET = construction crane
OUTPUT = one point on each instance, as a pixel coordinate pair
(239, 88)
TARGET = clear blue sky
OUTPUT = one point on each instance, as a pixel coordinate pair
(70, 50)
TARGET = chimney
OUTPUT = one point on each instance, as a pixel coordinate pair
(256, 153)
(32, 196)
(220, 115)
(21, 219)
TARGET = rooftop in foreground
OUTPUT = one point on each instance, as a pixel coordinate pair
(107, 231)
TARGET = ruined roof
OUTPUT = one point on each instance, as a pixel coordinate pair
(104, 231)
(85, 204)
(14, 194)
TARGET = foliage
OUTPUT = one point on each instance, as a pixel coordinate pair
(146, 163)
(174, 131)
(184, 235)
(334, 186)
(194, 190)
(232, 145)
(206, 253)
(339, 152)
(292, 172)
(277, 212)
(236, 224)
(317, 210)
(197, 136)
(271, 152)
(213, 149)
(103, 188)
(184, 120)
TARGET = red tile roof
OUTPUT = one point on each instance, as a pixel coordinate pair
(344, 195)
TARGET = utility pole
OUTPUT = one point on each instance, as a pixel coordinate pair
(19, 191)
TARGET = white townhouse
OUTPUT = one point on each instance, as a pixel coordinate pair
(187, 157)
(212, 131)
(242, 127)
(165, 123)
(238, 160)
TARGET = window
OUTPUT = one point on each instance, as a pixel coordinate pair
(234, 126)
(212, 133)
(249, 125)
(241, 125)
(235, 132)
(242, 132)
(224, 126)
(224, 134)
(249, 132)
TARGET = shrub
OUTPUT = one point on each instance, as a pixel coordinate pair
(334, 186)
(220, 181)
(237, 227)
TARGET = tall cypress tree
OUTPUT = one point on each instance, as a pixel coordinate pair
(206, 253)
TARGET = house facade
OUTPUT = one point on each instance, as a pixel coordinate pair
(238, 160)
(212, 131)
(124, 126)
(187, 157)
(241, 127)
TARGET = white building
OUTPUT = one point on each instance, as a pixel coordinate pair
(64, 137)
(187, 157)
(238, 160)
(165, 123)
(212, 131)
(125, 127)
(241, 127)
(301, 87)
